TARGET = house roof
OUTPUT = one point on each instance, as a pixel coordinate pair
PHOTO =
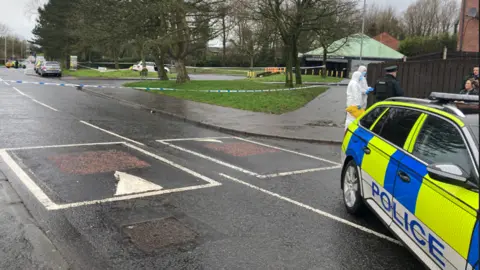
(371, 49)
(388, 40)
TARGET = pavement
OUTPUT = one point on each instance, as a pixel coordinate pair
(321, 120)
(113, 186)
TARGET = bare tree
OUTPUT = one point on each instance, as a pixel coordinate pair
(31, 7)
(4, 29)
(331, 39)
(430, 17)
(292, 17)
(379, 20)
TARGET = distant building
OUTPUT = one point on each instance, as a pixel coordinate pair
(348, 56)
(468, 27)
(388, 40)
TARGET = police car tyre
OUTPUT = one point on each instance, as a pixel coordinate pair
(351, 189)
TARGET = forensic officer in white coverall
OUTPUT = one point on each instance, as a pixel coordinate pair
(365, 88)
(356, 95)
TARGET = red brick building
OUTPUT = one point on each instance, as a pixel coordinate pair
(468, 27)
(388, 40)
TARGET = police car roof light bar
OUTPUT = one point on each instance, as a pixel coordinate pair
(447, 97)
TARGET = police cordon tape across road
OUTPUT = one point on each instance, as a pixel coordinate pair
(162, 89)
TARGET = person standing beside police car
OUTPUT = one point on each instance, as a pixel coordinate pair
(355, 104)
(364, 85)
(388, 86)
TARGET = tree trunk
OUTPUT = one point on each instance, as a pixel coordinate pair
(324, 69)
(224, 40)
(182, 75)
(288, 71)
(298, 71)
(252, 59)
(160, 62)
(115, 59)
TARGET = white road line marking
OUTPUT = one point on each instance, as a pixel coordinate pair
(320, 212)
(59, 146)
(111, 133)
(6, 83)
(290, 151)
(129, 197)
(300, 171)
(34, 189)
(231, 166)
(34, 100)
(20, 92)
(193, 139)
(50, 205)
(180, 167)
(131, 184)
(45, 105)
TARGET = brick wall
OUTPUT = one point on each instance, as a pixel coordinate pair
(469, 28)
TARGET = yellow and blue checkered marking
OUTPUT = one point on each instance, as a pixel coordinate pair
(448, 211)
(473, 253)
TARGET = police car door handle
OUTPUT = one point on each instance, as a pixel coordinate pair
(404, 176)
(366, 150)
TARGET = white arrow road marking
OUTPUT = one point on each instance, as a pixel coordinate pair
(130, 184)
(208, 140)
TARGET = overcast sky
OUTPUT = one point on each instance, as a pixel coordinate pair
(13, 14)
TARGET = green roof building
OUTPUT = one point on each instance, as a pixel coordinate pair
(346, 55)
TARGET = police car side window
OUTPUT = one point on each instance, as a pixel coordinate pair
(368, 120)
(440, 142)
(396, 124)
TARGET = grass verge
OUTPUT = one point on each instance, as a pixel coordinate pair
(108, 74)
(207, 85)
(268, 102)
(222, 71)
(305, 78)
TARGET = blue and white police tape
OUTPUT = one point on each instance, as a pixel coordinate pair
(225, 91)
(64, 84)
(163, 89)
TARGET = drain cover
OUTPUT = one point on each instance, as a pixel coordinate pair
(156, 234)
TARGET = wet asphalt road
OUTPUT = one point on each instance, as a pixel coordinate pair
(210, 203)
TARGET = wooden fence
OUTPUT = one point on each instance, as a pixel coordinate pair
(420, 78)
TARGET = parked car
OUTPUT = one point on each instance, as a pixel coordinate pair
(38, 64)
(414, 163)
(50, 68)
(10, 64)
(151, 67)
(23, 63)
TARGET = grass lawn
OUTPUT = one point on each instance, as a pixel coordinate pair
(268, 102)
(109, 74)
(224, 71)
(305, 78)
(207, 85)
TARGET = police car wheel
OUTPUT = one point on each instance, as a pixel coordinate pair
(351, 189)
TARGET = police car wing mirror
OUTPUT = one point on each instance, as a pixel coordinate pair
(449, 173)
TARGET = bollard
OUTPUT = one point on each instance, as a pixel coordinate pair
(341, 74)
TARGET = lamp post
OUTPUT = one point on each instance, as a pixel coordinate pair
(363, 29)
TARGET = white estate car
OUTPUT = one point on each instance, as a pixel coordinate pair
(151, 67)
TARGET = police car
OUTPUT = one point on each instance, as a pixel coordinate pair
(414, 163)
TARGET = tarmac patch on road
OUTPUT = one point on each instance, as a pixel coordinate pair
(250, 157)
(65, 176)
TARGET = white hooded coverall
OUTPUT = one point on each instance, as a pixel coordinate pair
(354, 96)
(364, 85)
